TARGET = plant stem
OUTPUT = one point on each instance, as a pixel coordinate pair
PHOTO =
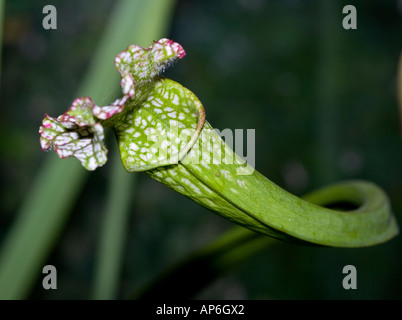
(37, 226)
(113, 233)
(198, 270)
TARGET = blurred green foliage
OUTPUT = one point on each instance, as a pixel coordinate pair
(279, 67)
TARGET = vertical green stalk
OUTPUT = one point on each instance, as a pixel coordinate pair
(37, 226)
(114, 231)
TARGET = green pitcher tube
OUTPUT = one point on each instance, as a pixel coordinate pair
(161, 129)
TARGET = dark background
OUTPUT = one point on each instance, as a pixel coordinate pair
(321, 99)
